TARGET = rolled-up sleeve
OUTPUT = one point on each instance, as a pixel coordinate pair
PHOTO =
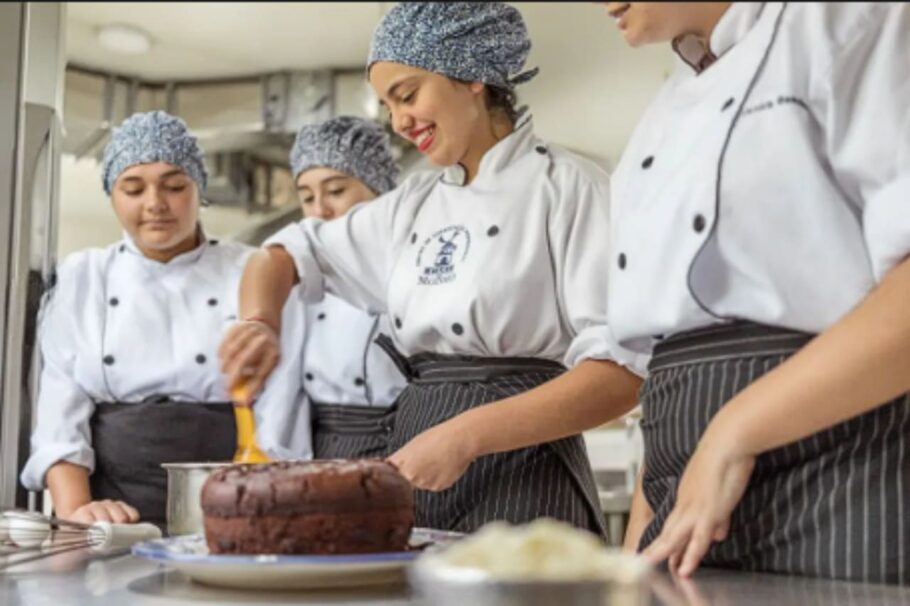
(62, 431)
(868, 128)
(581, 249)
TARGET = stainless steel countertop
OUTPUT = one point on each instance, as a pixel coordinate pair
(75, 579)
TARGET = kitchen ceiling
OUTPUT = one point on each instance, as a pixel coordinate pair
(591, 90)
(217, 39)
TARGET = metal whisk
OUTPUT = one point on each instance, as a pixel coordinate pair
(28, 536)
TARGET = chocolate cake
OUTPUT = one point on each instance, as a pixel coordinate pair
(308, 507)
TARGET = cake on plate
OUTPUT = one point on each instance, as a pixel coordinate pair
(317, 507)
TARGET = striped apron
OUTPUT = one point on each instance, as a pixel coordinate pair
(553, 479)
(830, 505)
(351, 432)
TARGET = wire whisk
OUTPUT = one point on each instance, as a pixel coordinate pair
(27, 536)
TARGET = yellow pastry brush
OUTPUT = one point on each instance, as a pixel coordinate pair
(247, 449)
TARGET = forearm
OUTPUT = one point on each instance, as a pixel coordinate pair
(590, 394)
(640, 515)
(69, 487)
(856, 365)
(267, 281)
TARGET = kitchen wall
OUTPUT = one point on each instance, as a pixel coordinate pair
(592, 87)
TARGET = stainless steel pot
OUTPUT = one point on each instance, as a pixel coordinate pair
(184, 485)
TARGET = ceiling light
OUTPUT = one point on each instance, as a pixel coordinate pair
(123, 38)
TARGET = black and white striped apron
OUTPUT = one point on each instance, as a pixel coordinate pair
(343, 431)
(547, 480)
(831, 505)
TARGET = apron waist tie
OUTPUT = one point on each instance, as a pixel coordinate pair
(439, 368)
(401, 362)
(427, 367)
(740, 339)
(347, 418)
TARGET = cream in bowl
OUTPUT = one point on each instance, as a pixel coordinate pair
(543, 562)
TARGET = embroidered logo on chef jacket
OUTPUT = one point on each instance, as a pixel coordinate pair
(440, 254)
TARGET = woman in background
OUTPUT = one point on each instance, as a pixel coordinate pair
(348, 381)
(129, 337)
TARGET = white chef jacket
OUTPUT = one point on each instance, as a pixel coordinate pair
(119, 326)
(508, 265)
(341, 363)
(774, 186)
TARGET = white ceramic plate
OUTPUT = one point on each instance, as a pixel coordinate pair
(190, 555)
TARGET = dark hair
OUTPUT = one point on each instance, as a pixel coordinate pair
(498, 99)
(502, 99)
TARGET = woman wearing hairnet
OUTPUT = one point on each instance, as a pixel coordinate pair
(348, 381)
(490, 269)
(129, 337)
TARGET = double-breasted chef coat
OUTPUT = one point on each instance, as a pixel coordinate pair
(120, 327)
(341, 362)
(756, 204)
(772, 186)
(473, 276)
(347, 381)
(508, 265)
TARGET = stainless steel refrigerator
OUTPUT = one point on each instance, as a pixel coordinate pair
(32, 63)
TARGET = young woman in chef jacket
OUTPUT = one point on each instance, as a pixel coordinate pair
(490, 271)
(348, 381)
(760, 234)
(129, 338)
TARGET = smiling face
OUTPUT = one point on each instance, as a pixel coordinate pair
(441, 116)
(326, 193)
(158, 206)
(649, 22)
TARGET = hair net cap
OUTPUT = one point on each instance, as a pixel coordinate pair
(354, 146)
(474, 41)
(155, 136)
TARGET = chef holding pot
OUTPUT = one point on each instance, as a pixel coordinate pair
(129, 337)
(760, 234)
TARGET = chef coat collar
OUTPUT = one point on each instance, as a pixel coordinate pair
(187, 258)
(733, 26)
(514, 145)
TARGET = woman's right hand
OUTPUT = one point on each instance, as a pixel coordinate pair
(116, 512)
(249, 353)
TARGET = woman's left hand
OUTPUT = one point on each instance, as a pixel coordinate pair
(435, 459)
(711, 486)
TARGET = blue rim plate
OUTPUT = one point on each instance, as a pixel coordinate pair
(192, 548)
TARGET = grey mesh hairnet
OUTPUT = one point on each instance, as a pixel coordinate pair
(155, 136)
(354, 146)
(475, 41)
